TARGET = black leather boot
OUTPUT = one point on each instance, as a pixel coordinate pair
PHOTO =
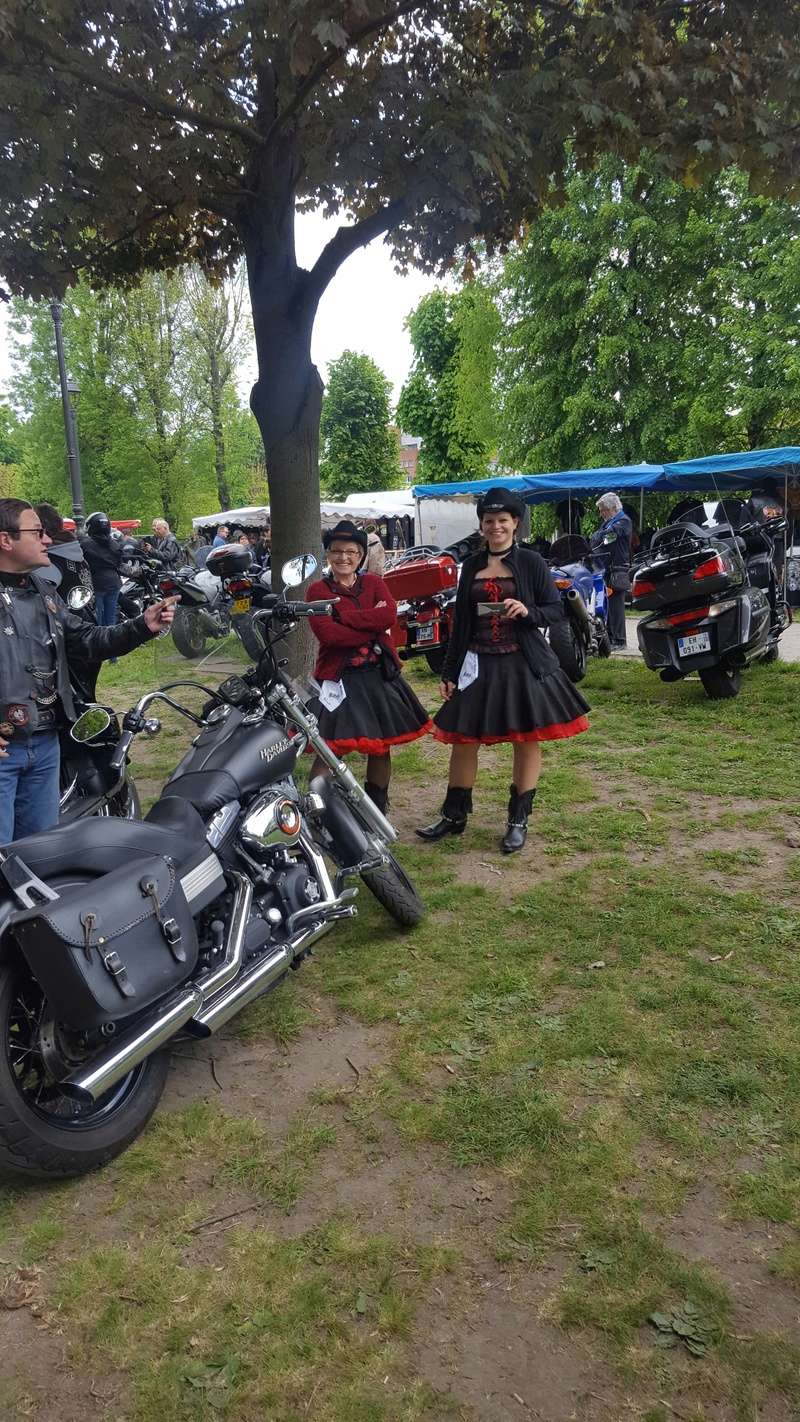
(453, 816)
(519, 807)
(378, 794)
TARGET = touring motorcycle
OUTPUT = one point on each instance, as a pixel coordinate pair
(712, 589)
(118, 935)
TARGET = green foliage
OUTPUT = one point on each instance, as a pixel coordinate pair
(144, 362)
(645, 320)
(10, 447)
(359, 450)
(447, 400)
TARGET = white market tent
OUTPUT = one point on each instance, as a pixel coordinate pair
(383, 503)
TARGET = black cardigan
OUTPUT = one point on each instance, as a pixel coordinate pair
(535, 587)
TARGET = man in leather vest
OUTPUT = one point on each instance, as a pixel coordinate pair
(38, 634)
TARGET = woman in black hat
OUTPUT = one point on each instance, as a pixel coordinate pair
(500, 679)
(364, 703)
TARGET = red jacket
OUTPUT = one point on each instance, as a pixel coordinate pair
(356, 622)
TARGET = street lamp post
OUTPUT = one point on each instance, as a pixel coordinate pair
(69, 388)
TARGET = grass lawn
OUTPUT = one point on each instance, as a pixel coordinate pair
(537, 1159)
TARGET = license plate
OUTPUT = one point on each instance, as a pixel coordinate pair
(690, 646)
(426, 633)
(242, 604)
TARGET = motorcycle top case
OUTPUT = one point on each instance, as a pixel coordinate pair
(422, 578)
(678, 576)
(105, 950)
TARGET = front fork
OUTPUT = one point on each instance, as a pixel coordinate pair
(307, 723)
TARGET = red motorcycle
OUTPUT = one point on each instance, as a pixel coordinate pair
(423, 584)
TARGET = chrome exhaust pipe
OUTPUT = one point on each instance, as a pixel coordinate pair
(253, 983)
(89, 1083)
(577, 606)
(234, 946)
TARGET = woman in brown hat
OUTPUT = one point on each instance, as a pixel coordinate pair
(365, 704)
(500, 680)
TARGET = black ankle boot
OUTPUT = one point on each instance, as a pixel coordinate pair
(453, 815)
(519, 807)
(378, 794)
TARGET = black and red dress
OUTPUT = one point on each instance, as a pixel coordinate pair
(378, 710)
(518, 691)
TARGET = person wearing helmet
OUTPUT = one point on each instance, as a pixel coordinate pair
(104, 555)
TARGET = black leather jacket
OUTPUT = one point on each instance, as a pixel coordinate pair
(535, 587)
(38, 631)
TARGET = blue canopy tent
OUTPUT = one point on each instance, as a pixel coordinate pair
(721, 473)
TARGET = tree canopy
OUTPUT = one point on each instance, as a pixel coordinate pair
(359, 450)
(644, 320)
(448, 399)
(140, 136)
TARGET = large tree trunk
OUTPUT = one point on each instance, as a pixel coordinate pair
(218, 434)
(286, 401)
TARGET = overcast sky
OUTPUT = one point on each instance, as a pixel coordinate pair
(364, 308)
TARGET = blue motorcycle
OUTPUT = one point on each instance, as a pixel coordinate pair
(583, 633)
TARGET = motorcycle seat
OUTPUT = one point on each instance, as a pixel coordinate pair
(98, 845)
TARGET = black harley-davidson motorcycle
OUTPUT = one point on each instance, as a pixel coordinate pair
(118, 935)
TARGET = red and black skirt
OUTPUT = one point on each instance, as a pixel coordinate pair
(507, 702)
(375, 715)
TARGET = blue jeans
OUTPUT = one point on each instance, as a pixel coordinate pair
(106, 608)
(29, 786)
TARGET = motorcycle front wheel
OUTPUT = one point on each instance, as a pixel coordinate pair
(187, 633)
(394, 890)
(44, 1134)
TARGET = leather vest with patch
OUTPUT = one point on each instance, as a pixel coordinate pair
(33, 658)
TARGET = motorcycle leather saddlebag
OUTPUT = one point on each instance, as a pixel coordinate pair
(111, 947)
(422, 578)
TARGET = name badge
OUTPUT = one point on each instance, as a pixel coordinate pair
(469, 671)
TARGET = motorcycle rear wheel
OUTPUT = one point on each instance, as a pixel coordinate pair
(187, 633)
(43, 1133)
(720, 683)
(395, 892)
(570, 649)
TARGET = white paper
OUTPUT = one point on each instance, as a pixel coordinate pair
(332, 694)
(469, 671)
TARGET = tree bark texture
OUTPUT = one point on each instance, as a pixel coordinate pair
(218, 434)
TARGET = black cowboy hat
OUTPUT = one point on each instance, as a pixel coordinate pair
(500, 500)
(346, 532)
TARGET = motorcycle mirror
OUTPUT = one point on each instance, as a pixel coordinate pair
(78, 599)
(91, 724)
(296, 570)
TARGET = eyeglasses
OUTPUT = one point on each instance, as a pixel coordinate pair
(18, 532)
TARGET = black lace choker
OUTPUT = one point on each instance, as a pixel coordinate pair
(500, 553)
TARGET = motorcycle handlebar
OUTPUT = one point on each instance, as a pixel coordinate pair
(290, 611)
(121, 750)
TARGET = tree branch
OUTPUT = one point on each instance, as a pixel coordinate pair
(333, 55)
(131, 93)
(348, 239)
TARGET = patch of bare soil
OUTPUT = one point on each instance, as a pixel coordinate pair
(739, 1255)
(35, 1367)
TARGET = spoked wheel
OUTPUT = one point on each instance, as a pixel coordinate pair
(720, 683)
(43, 1132)
(394, 890)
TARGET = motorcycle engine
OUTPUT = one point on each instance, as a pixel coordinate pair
(296, 887)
